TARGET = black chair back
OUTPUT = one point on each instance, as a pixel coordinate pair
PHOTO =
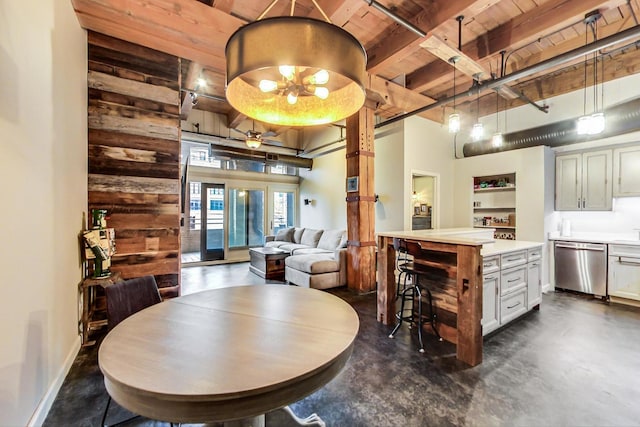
(130, 296)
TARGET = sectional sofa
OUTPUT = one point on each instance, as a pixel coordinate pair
(318, 258)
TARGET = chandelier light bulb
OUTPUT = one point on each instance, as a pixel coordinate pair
(477, 132)
(320, 78)
(268, 85)
(454, 123)
(292, 98)
(321, 92)
(287, 71)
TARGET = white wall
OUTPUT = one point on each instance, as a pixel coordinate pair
(429, 149)
(43, 176)
(325, 185)
(415, 145)
(389, 177)
(624, 218)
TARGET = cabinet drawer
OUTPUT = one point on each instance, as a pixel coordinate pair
(512, 259)
(490, 264)
(534, 254)
(512, 306)
(512, 279)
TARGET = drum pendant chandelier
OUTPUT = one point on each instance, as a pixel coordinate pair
(295, 71)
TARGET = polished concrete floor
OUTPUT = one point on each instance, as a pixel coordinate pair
(576, 362)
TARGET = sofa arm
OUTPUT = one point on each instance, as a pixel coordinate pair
(269, 238)
(341, 256)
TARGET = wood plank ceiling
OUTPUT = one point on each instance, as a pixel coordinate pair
(405, 75)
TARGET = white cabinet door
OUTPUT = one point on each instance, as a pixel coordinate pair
(597, 175)
(490, 302)
(534, 284)
(626, 170)
(584, 181)
(624, 277)
(569, 182)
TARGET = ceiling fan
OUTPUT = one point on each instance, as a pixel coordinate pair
(254, 139)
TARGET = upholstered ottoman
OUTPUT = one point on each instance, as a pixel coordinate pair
(318, 271)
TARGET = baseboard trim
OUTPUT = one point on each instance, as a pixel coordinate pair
(41, 412)
(548, 288)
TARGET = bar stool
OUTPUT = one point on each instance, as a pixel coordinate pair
(404, 265)
(413, 294)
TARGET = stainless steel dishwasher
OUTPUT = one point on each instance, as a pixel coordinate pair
(581, 267)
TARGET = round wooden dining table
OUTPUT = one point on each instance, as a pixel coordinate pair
(227, 354)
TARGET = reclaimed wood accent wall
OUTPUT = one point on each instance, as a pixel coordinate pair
(134, 155)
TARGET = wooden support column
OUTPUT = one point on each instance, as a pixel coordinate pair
(361, 252)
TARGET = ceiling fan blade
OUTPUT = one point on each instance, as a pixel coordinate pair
(239, 131)
(273, 142)
(268, 134)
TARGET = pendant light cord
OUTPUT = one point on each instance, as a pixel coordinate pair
(584, 101)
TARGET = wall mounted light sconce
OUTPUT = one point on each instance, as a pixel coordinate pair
(376, 197)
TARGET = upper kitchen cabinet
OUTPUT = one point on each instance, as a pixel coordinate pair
(626, 171)
(584, 181)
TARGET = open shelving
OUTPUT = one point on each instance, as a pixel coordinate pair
(494, 204)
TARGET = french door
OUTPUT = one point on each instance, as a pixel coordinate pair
(212, 232)
(282, 209)
(246, 218)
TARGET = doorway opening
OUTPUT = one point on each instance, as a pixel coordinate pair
(424, 198)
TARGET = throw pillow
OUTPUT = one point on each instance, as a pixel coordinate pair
(285, 235)
(297, 234)
(310, 237)
(330, 239)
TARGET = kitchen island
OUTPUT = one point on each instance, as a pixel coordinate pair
(452, 260)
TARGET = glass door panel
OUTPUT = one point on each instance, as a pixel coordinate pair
(283, 210)
(212, 236)
(246, 218)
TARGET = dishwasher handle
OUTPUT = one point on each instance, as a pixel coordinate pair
(583, 246)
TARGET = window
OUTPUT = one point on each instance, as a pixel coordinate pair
(194, 205)
(283, 170)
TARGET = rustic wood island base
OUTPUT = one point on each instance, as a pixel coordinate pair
(452, 267)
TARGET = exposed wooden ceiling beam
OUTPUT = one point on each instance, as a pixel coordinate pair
(566, 80)
(234, 118)
(521, 30)
(401, 42)
(223, 5)
(184, 28)
(402, 99)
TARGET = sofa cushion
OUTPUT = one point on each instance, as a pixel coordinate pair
(330, 239)
(297, 234)
(307, 250)
(292, 247)
(313, 263)
(285, 235)
(310, 237)
(275, 244)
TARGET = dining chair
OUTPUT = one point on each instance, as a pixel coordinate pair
(123, 300)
